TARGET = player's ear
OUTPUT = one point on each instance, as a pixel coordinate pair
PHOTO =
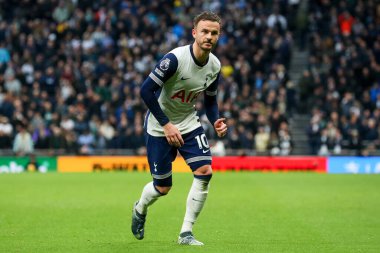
(193, 32)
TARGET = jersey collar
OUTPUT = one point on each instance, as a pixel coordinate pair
(195, 59)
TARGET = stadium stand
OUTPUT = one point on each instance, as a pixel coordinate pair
(341, 84)
(70, 73)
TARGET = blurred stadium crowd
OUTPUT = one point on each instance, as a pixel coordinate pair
(70, 73)
(341, 85)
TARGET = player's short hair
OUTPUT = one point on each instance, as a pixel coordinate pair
(207, 15)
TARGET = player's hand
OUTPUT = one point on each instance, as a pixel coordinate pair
(173, 135)
(220, 127)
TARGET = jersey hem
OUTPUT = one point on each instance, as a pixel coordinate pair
(161, 134)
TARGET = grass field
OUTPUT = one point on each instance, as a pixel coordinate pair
(245, 212)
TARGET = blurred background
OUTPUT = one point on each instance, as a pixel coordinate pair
(298, 77)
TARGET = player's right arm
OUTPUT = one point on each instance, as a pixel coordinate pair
(152, 84)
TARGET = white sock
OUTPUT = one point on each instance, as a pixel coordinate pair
(195, 202)
(149, 195)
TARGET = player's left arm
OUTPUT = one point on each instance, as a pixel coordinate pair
(212, 111)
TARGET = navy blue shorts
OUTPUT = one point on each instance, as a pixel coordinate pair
(195, 151)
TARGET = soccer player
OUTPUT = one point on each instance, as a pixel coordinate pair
(172, 123)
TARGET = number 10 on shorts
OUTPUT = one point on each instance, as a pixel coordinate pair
(202, 141)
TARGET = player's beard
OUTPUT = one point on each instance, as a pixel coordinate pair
(204, 48)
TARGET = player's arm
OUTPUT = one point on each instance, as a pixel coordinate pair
(150, 87)
(212, 111)
(148, 94)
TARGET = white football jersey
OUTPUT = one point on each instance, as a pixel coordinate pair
(180, 88)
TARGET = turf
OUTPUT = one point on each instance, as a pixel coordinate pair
(245, 212)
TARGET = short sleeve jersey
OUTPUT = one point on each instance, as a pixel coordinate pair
(182, 79)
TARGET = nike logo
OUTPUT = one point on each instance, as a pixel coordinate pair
(205, 151)
(183, 78)
(197, 200)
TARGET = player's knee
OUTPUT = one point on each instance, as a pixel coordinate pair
(163, 189)
(204, 170)
(204, 173)
(163, 185)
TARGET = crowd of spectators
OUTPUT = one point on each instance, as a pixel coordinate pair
(341, 85)
(70, 72)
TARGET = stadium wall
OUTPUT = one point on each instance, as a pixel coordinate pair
(235, 163)
(353, 165)
(110, 163)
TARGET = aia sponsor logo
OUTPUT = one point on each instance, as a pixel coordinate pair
(185, 97)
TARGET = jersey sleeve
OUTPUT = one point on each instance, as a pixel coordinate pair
(147, 93)
(212, 89)
(164, 69)
(211, 103)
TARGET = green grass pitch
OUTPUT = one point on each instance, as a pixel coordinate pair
(245, 212)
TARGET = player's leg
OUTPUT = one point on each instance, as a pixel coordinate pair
(149, 195)
(151, 192)
(160, 156)
(196, 152)
(194, 204)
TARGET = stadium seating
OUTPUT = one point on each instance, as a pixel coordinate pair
(342, 79)
(71, 71)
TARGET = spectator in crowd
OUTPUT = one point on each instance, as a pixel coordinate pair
(86, 142)
(57, 140)
(274, 144)
(6, 131)
(107, 133)
(41, 137)
(23, 143)
(285, 140)
(218, 148)
(261, 140)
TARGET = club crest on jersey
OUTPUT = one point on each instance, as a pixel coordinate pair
(164, 65)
